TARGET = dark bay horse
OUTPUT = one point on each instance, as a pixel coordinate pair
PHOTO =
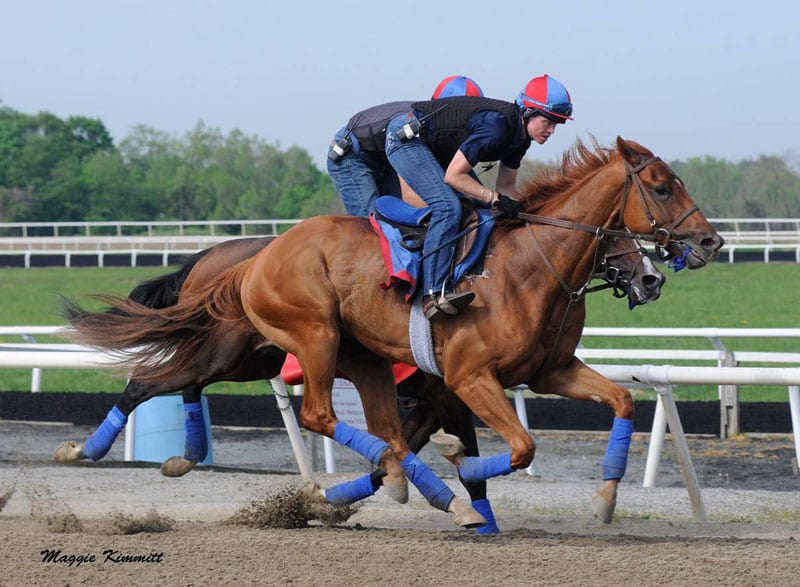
(625, 268)
(312, 293)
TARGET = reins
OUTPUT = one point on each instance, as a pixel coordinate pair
(661, 236)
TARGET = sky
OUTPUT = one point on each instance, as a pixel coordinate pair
(684, 78)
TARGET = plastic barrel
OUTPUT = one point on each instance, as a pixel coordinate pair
(160, 430)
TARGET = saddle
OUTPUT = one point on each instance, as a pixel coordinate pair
(402, 229)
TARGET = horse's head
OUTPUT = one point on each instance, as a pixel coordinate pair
(628, 269)
(656, 202)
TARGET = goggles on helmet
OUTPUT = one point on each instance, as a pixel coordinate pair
(563, 109)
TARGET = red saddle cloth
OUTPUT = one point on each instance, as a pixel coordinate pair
(293, 375)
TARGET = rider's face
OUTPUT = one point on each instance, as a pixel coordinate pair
(540, 129)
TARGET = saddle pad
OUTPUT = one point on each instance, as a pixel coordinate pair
(404, 266)
(396, 210)
(293, 375)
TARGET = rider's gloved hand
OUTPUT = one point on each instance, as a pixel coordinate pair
(508, 206)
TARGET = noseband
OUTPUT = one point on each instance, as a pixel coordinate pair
(613, 276)
(662, 235)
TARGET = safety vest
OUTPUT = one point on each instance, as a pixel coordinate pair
(446, 127)
(369, 126)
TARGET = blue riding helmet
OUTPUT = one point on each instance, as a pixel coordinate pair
(456, 85)
(546, 96)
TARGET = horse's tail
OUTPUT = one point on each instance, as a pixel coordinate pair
(160, 342)
(162, 291)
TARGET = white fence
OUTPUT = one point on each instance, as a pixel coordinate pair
(224, 228)
(169, 240)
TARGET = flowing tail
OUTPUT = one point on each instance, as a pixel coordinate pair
(162, 291)
(160, 342)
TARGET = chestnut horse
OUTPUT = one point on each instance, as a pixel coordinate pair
(312, 293)
(625, 268)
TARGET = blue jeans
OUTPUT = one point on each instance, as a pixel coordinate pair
(361, 177)
(415, 163)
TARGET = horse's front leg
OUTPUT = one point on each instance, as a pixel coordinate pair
(374, 380)
(578, 381)
(483, 394)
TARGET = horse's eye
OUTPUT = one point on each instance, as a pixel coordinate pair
(662, 191)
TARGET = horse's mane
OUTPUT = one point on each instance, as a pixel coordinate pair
(577, 163)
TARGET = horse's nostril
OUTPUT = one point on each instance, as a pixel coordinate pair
(713, 242)
(650, 280)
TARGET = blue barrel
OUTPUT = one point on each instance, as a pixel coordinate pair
(159, 429)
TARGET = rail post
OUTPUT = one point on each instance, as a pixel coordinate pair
(729, 402)
(679, 439)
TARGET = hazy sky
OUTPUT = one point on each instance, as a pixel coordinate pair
(684, 78)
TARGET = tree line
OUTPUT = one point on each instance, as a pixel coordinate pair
(54, 169)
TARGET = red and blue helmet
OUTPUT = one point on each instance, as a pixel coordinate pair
(456, 85)
(546, 96)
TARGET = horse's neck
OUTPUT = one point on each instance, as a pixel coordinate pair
(595, 201)
(574, 253)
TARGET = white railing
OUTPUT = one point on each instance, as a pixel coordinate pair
(134, 257)
(172, 238)
(225, 228)
(765, 235)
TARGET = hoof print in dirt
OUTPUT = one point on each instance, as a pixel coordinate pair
(64, 523)
(151, 522)
(290, 508)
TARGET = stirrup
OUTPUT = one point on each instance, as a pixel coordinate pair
(437, 306)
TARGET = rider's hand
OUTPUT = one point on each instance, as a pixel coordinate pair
(508, 206)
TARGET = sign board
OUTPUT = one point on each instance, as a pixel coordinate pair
(347, 404)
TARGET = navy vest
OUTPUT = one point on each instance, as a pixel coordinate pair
(446, 130)
(369, 126)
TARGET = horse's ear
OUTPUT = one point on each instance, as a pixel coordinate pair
(628, 153)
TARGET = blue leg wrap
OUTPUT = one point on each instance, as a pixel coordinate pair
(351, 491)
(196, 446)
(616, 459)
(363, 443)
(484, 508)
(430, 486)
(98, 444)
(482, 468)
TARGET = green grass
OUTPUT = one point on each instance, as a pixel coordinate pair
(747, 295)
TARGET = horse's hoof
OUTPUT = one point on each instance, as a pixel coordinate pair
(176, 467)
(449, 445)
(313, 492)
(465, 515)
(69, 452)
(397, 490)
(604, 502)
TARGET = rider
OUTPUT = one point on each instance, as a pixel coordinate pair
(456, 85)
(357, 161)
(434, 148)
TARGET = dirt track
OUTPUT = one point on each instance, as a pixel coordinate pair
(750, 538)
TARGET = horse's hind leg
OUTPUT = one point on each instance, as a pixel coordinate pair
(196, 440)
(97, 445)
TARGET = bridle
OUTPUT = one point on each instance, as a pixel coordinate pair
(661, 235)
(615, 279)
